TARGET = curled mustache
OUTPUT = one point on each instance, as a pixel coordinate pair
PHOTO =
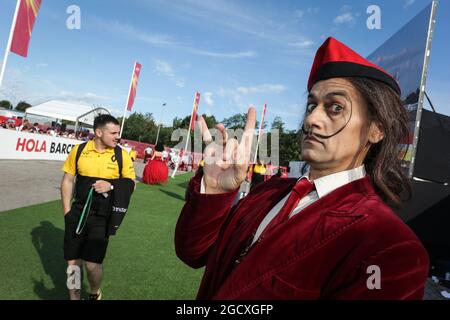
(320, 136)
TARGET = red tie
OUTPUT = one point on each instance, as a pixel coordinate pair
(301, 189)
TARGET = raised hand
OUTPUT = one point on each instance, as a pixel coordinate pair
(226, 161)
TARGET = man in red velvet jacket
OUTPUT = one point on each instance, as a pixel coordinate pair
(330, 234)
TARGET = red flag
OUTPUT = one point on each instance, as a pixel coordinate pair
(133, 86)
(26, 16)
(195, 109)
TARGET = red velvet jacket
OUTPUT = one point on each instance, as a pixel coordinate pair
(323, 252)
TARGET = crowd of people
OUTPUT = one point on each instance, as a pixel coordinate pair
(54, 131)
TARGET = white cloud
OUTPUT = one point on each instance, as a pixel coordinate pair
(229, 16)
(301, 44)
(131, 32)
(116, 112)
(208, 98)
(42, 65)
(236, 95)
(180, 83)
(408, 3)
(346, 16)
(163, 68)
(313, 10)
(235, 55)
(87, 97)
(263, 88)
(299, 14)
(164, 40)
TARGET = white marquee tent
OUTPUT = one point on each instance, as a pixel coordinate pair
(62, 110)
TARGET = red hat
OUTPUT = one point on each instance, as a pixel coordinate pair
(335, 60)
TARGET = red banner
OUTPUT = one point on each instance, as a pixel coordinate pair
(195, 109)
(26, 16)
(133, 86)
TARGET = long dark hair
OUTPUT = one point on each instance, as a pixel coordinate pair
(382, 162)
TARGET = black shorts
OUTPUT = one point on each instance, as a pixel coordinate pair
(91, 244)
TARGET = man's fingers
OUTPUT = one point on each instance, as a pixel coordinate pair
(245, 147)
(209, 154)
(231, 151)
(223, 131)
(251, 119)
(206, 135)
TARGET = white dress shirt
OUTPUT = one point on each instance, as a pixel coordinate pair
(323, 186)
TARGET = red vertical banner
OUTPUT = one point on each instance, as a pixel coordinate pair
(195, 109)
(26, 16)
(133, 86)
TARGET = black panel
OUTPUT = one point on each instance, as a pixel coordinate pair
(433, 148)
(428, 215)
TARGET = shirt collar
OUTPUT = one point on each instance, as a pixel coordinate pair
(91, 147)
(331, 182)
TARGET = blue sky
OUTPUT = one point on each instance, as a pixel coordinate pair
(235, 53)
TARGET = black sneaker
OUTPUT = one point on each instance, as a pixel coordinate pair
(96, 296)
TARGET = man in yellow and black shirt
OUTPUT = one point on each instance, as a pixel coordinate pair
(258, 170)
(98, 164)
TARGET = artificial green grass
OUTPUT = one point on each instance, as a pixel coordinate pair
(140, 262)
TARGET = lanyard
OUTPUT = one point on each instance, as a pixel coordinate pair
(88, 206)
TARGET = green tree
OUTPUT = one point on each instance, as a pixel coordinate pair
(278, 124)
(22, 106)
(181, 123)
(6, 104)
(210, 121)
(238, 121)
(288, 144)
(176, 123)
(140, 127)
(165, 136)
(289, 147)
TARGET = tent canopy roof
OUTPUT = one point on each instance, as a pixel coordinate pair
(67, 111)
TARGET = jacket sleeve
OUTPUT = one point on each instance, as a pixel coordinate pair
(398, 272)
(123, 189)
(200, 222)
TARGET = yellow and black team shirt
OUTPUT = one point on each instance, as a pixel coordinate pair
(93, 163)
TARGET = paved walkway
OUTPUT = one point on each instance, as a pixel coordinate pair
(28, 182)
